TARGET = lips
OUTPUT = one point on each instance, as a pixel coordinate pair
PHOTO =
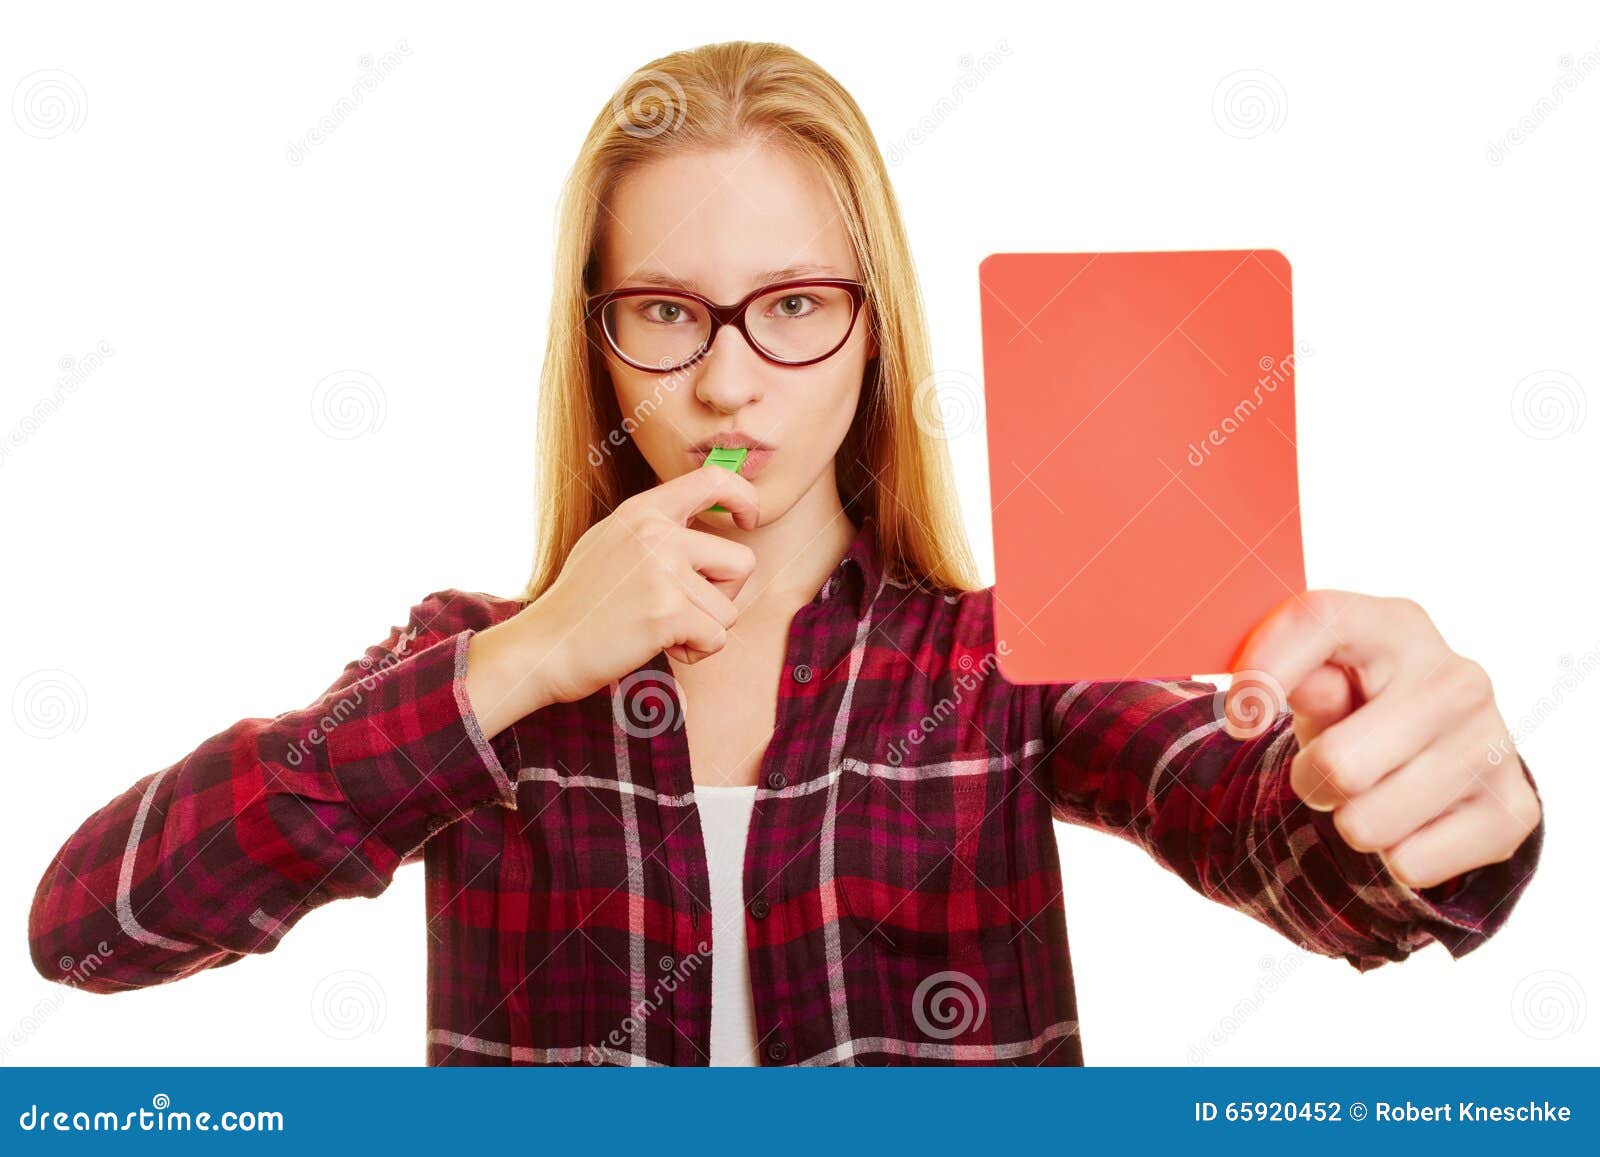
(753, 463)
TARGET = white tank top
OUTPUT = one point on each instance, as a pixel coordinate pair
(725, 821)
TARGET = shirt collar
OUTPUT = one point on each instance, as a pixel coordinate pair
(859, 573)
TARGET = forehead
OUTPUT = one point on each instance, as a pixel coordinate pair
(721, 222)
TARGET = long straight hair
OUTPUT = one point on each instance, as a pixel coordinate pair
(893, 464)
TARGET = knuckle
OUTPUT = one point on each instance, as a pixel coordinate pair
(1472, 680)
(1336, 762)
(653, 531)
(1408, 610)
(1356, 829)
(630, 510)
(661, 602)
(1407, 606)
(1505, 847)
(1401, 869)
(637, 527)
(1318, 606)
(1527, 813)
(1308, 611)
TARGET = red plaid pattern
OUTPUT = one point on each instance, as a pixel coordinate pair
(902, 883)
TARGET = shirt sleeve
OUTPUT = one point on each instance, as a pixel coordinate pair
(1150, 762)
(217, 856)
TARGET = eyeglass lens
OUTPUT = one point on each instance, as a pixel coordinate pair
(794, 325)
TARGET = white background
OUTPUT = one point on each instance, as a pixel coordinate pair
(190, 543)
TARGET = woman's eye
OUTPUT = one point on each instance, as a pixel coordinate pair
(665, 312)
(794, 305)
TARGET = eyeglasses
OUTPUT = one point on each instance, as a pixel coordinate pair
(792, 323)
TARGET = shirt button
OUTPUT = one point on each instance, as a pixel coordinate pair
(777, 1050)
(776, 779)
(759, 907)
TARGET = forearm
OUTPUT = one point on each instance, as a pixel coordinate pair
(1151, 763)
(1291, 869)
(221, 853)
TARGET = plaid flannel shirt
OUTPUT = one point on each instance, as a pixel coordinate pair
(903, 891)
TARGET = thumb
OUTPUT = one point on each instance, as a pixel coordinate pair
(1326, 696)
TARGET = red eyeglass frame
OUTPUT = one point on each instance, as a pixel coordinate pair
(722, 315)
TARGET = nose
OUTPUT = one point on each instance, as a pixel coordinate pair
(729, 377)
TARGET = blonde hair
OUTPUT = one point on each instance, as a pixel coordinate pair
(893, 464)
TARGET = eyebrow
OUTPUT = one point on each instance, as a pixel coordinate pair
(669, 281)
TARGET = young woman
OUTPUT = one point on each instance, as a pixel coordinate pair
(744, 785)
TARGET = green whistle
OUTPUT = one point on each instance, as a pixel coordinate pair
(729, 458)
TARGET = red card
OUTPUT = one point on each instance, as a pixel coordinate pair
(1141, 458)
